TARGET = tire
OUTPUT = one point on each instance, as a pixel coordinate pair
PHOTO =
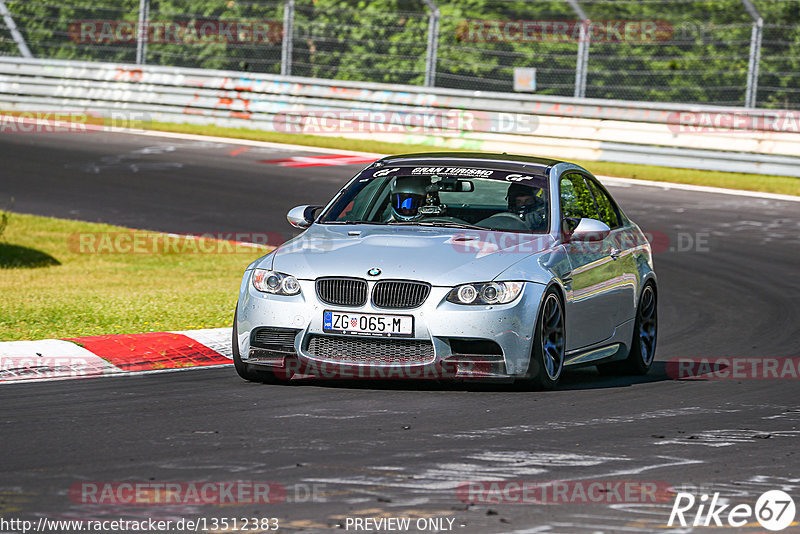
(643, 345)
(549, 344)
(244, 371)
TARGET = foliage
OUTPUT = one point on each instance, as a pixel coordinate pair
(701, 53)
(3, 223)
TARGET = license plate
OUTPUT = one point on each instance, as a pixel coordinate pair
(370, 324)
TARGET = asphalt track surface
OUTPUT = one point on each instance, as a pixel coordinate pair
(393, 449)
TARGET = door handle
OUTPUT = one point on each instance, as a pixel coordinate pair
(615, 253)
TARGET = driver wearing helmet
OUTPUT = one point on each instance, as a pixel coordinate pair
(407, 195)
(527, 202)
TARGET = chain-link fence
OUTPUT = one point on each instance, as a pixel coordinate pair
(727, 52)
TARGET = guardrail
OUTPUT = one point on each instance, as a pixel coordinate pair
(673, 135)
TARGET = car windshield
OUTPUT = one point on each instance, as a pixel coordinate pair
(503, 201)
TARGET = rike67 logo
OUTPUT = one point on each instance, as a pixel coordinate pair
(774, 510)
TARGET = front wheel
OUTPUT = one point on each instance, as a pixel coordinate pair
(643, 345)
(549, 342)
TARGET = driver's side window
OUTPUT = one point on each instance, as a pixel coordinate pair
(576, 199)
(606, 209)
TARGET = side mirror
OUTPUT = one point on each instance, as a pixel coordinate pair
(586, 230)
(302, 216)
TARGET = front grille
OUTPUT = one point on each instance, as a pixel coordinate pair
(371, 350)
(342, 291)
(399, 294)
(274, 340)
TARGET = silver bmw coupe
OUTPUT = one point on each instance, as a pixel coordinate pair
(453, 266)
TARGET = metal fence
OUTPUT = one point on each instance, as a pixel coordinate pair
(723, 52)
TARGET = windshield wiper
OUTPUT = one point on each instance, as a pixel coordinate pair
(440, 224)
(437, 224)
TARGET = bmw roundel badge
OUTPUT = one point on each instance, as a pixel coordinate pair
(374, 271)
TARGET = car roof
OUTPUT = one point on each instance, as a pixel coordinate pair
(474, 159)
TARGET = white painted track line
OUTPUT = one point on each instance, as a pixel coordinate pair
(604, 179)
(613, 180)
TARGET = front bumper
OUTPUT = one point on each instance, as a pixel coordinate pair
(437, 321)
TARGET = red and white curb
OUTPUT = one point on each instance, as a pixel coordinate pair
(114, 355)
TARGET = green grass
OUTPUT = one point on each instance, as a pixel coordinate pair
(51, 287)
(731, 180)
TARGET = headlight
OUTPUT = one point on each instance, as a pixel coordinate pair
(275, 283)
(485, 293)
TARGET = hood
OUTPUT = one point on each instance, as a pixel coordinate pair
(440, 256)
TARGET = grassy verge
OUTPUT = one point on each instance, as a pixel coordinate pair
(731, 180)
(53, 284)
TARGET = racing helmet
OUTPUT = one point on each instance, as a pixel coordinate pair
(407, 196)
(517, 190)
(531, 214)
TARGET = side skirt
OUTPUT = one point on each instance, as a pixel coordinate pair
(612, 349)
(591, 357)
